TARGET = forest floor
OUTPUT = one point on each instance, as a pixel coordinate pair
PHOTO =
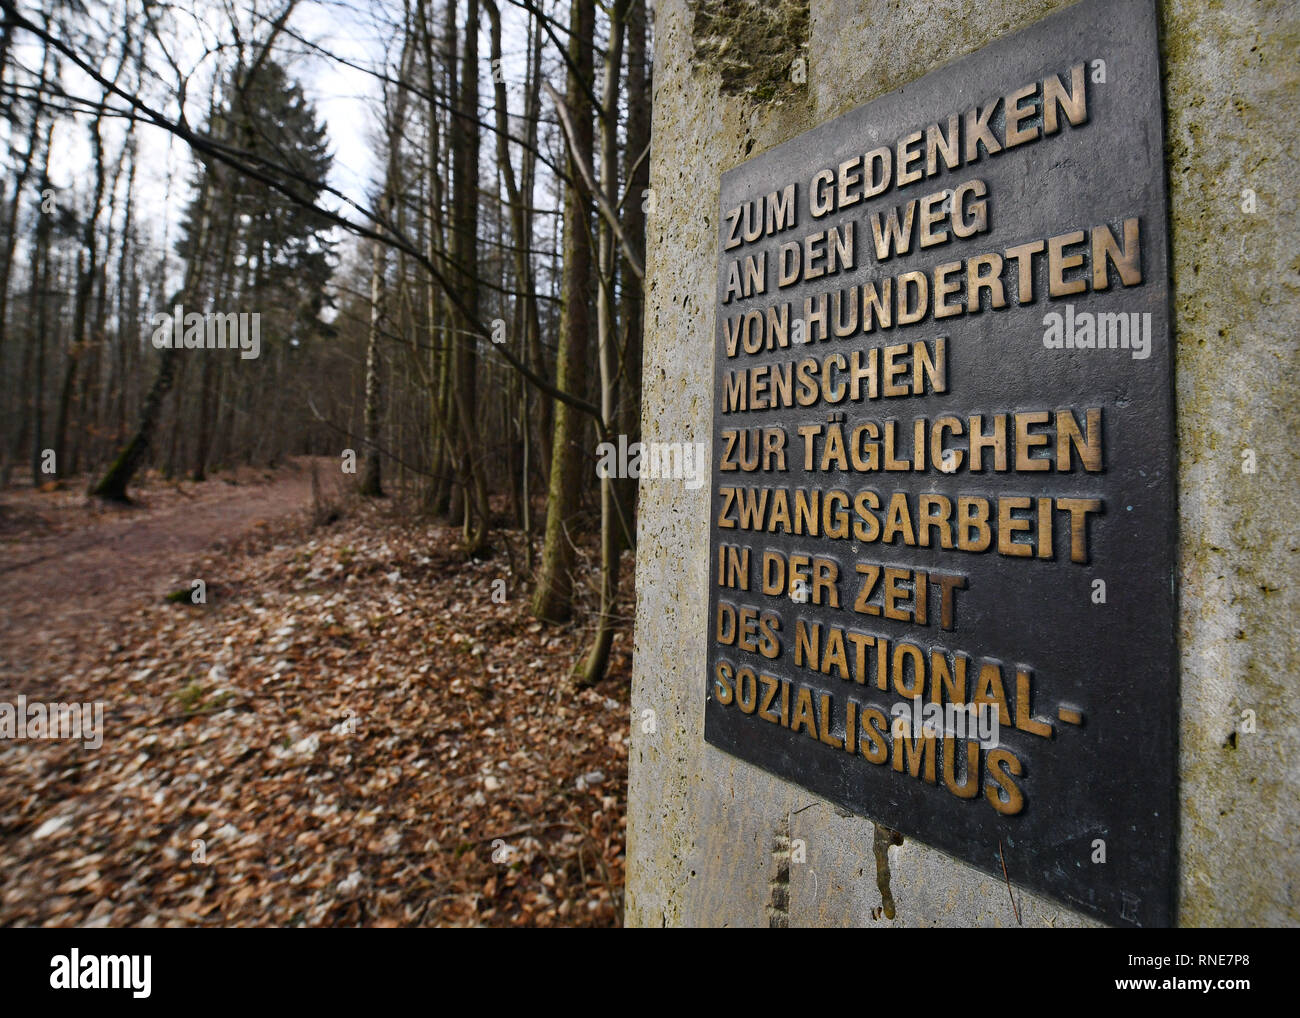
(359, 726)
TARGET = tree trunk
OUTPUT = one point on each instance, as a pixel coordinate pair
(370, 470)
(528, 325)
(89, 271)
(606, 324)
(464, 247)
(371, 484)
(637, 181)
(553, 600)
(40, 284)
(7, 255)
(112, 486)
(208, 377)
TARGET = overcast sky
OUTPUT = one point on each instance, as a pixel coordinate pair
(347, 99)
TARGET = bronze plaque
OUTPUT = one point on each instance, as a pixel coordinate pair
(943, 509)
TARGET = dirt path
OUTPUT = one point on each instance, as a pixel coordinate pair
(69, 566)
(341, 733)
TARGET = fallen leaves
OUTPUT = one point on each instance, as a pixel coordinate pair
(351, 731)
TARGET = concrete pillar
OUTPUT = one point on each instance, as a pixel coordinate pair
(710, 838)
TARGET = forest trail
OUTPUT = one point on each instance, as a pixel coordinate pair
(68, 563)
(360, 726)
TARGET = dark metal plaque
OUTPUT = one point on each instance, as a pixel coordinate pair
(943, 517)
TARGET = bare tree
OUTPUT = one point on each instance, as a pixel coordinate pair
(553, 599)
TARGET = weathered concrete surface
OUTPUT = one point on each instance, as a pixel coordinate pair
(1232, 85)
(710, 837)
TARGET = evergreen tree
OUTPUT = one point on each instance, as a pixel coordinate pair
(248, 248)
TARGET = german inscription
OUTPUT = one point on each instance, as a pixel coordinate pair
(942, 531)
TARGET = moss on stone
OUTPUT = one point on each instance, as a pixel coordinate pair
(751, 44)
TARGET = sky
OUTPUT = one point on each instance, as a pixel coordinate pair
(347, 99)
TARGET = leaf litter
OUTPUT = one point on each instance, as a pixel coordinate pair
(350, 732)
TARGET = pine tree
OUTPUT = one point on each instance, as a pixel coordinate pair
(249, 248)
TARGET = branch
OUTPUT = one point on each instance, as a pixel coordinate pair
(237, 161)
(606, 210)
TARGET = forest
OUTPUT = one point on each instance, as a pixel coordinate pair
(392, 249)
(470, 324)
